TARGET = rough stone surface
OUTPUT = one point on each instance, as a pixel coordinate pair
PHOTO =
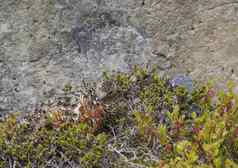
(45, 44)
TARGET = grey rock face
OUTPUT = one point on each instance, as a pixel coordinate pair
(47, 44)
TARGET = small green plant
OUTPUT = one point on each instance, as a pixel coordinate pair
(67, 88)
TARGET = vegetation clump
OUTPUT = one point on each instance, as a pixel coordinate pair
(144, 121)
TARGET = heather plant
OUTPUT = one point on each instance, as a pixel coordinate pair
(144, 121)
(67, 145)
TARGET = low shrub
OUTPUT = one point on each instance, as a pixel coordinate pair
(143, 121)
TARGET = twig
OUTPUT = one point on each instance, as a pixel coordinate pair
(125, 159)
